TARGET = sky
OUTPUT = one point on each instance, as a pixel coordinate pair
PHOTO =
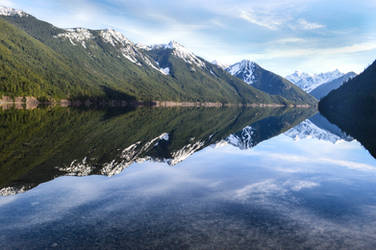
(281, 35)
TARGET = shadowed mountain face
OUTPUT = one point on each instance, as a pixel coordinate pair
(39, 145)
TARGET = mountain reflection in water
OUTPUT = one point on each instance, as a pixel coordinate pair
(39, 145)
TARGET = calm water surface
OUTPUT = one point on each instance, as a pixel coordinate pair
(183, 179)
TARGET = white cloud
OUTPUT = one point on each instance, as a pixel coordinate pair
(288, 40)
(266, 21)
(306, 25)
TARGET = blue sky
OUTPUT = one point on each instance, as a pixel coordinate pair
(282, 36)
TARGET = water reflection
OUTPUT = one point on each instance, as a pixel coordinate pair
(39, 145)
(283, 193)
(361, 125)
(254, 178)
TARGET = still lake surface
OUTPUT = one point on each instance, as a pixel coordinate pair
(183, 178)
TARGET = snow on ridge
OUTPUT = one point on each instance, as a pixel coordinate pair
(309, 82)
(180, 51)
(177, 50)
(5, 11)
(114, 37)
(245, 69)
(80, 36)
(77, 35)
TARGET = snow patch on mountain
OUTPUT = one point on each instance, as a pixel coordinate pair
(308, 130)
(309, 82)
(5, 11)
(126, 47)
(244, 70)
(179, 51)
(77, 36)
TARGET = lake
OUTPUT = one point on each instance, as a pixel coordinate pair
(183, 178)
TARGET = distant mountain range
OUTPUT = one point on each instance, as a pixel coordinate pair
(256, 76)
(309, 82)
(41, 60)
(324, 89)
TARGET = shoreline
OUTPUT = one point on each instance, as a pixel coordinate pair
(29, 102)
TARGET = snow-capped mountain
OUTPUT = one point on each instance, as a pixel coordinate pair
(179, 51)
(244, 70)
(264, 80)
(5, 11)
(309, 82)
(126, 48)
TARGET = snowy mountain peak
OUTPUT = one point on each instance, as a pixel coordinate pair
(114, 37)
(179, 51)
(183, 53)
(175, 45)
(5, 11)
(76, 36)
(244, 70)
(309, 82)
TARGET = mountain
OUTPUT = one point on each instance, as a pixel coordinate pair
(81, 63)
(309, 82)
(325, 88)
(256, 76)
(194, 73)
(356, 95)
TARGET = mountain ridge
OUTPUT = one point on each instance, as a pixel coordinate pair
(309, 82)
(269, 82)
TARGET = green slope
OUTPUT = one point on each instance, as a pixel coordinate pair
(29, 68)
